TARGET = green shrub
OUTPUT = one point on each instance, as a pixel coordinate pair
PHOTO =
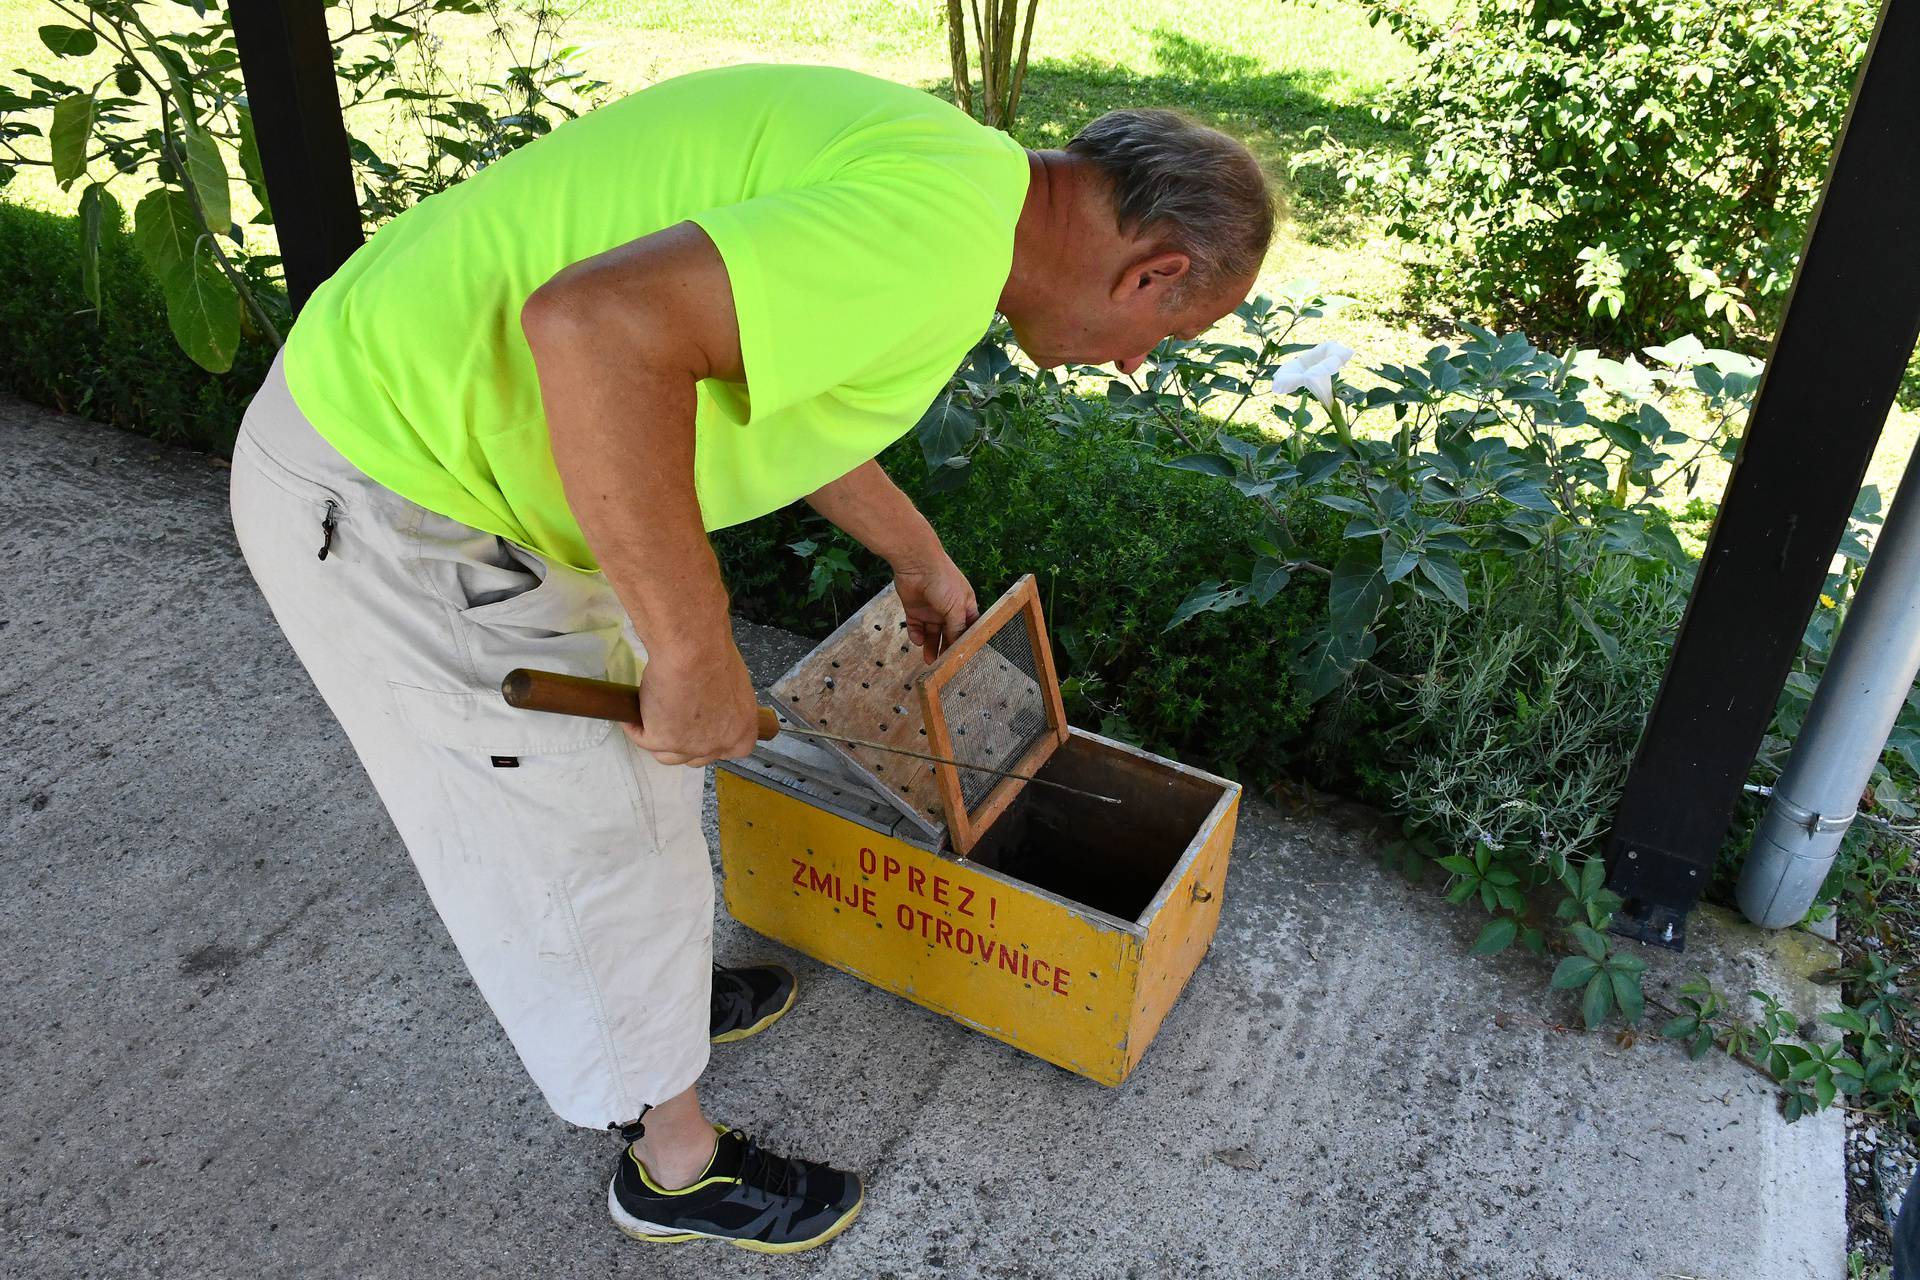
(120, 364)
(1115, 539)
(1511, 725)
(1615, 169)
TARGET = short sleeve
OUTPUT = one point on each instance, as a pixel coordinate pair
(853, 284)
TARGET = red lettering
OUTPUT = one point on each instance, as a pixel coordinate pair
(940, 890)
(1060, 977)
(1038, 965)
(819, 881)
(963, 941)
(1008, 959)
(866, 903)
(916, 881)
(889, 868)
(903, 916)
(925, 921)
(800, 873)
(993, 908)
(967, 898)
(943, 932)
(869, 861)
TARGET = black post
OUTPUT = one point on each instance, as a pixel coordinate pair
(1844, 342)
(287, 61)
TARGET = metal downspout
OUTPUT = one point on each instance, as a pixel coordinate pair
(1860, 695)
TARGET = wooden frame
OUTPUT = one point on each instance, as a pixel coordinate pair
(1023, 600)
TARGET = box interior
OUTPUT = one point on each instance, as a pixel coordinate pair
(1111, 857)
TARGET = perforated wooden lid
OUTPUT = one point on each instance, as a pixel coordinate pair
(991, 699)
(863, 681)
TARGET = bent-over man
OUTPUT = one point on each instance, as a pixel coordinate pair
(500, 434)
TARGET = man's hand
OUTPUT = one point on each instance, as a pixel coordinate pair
(939, 603)
(696, 711)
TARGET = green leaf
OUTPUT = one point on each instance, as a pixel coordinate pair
(90, 215)
(1572, 972)
(1626, 990)
(1598, 1001)
(69, 42)
(203, 310)
(1210, 464)
(1269, 577)
(1681, 1027)
(946, 429)
(1208, 597)
(208, 173)
(1397, 559)
(180, 80)
(1357, 591)
(250, 163)
(1593, 874)
(1443, 571)
(1847, 1019)
(1590, 942)
(1496, 937)
(68, 136)
(165, 231)
(1341, 502)
(1608, 645)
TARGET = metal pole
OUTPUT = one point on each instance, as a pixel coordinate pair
(1861, 692)
(1843, 344)
(287, 61)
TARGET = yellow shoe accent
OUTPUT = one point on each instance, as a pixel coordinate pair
(637, 1230)
(730, 1037)
(801, 1246)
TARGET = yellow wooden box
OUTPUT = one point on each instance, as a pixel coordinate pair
(1069, 928)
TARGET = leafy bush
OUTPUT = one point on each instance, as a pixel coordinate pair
(1114, 538)
(1614, 169)
(118, 364)
(174, 108)
(1511, 725)
(1456, 470)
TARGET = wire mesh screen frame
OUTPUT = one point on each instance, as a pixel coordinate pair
(970, 812)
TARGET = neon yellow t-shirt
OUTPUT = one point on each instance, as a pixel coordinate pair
(867, 231)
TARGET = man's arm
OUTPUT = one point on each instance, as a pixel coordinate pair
(620, 341)
(870, 507)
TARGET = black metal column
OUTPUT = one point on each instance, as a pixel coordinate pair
(287, 61)
(1836, 364)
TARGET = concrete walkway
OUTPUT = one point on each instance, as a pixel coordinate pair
(236, 1042)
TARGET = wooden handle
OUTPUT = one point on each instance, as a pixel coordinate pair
(564, 695)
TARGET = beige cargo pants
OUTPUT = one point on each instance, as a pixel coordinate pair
(568, 866)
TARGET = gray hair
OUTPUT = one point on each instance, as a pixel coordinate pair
(1198, 188)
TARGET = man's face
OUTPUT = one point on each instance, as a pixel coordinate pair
(1121, 325)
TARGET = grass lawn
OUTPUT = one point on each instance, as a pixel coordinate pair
(1267, 71)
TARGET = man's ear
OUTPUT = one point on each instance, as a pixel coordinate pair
(1156, 274)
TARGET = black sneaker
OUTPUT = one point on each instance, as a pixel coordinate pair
(749, 1000)
(747, 1197)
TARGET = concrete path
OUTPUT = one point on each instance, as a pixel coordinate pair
(236, 1042)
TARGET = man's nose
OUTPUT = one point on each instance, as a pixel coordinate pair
(1130, 363)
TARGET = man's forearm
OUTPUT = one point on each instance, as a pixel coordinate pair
(622, 435)
(870, 508)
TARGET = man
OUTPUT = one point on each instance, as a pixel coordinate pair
(498, 438)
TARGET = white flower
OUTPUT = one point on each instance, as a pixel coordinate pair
(1312, 370)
